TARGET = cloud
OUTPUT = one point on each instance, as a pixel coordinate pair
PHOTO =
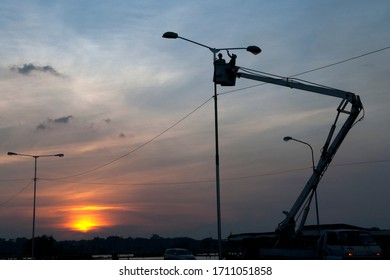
(63, 119)
(26, 69)
(47, 124)
(42, 126)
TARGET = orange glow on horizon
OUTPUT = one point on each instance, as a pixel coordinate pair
(85, 224)
(88, 218)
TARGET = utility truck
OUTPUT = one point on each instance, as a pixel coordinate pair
(346, 242)
(289, 240)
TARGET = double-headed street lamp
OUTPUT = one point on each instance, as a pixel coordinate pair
(35, 191)
(289, 138)
(172, 35)
(252, 49)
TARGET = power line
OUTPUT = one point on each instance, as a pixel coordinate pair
(13, 180)
(341, 61)
(140, 146)
(16, 194)
(272, 173)
(362, 162)
(180, 182)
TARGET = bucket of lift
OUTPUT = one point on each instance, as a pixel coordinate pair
(224, 73)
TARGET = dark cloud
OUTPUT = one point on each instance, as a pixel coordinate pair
(26, 69)
(63, 119)
(47, 124)
(42, 126)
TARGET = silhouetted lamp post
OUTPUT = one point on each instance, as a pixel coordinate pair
(289, 138)
(252, 49)
(35, 191)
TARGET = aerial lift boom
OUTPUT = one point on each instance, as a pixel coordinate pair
(330, 148)
(350, 105)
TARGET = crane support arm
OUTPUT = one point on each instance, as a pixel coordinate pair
(291, 83)
(287, 226)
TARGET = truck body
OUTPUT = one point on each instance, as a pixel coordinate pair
(331, 244)
(347, 244)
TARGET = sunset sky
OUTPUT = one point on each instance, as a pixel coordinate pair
(134, 115)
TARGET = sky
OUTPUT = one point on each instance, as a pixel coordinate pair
(133, 114)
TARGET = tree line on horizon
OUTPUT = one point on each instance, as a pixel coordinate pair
(46, 247)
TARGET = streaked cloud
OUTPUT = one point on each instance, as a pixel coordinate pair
(47, 124)
(27, 69)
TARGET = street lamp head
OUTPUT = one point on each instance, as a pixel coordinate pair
(254, 49)
(59, 155)
(12, 154)
(287, 138)
(170, 35)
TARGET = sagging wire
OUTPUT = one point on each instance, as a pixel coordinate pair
(16, 194)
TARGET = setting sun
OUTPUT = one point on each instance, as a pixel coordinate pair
(88, 218)
(85, 224)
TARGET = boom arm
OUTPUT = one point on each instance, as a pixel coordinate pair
(330, 148)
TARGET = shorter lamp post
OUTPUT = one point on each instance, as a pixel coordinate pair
(35, 157)
(289, 138)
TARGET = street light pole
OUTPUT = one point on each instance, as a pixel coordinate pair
(35, 192)
(252, 49)
(217, 175)
(288, 138)
(35, 199)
